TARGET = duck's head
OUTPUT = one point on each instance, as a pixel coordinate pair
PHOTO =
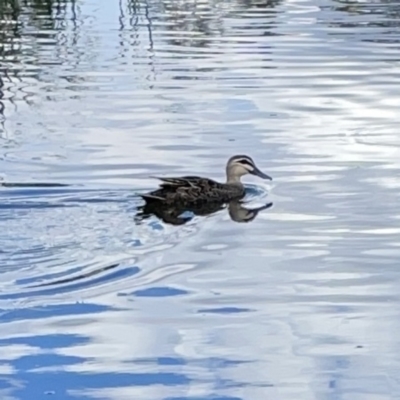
(240, 165)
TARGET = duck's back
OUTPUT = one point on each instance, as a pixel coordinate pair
(193, 189)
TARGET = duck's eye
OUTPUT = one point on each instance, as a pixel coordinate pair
(245, 162)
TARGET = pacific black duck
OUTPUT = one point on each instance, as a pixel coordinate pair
(196, 190)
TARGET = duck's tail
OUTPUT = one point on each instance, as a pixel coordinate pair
(151, 198)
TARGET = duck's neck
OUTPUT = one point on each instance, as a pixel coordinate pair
(233, 180)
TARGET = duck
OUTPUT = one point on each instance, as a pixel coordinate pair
(195, 190)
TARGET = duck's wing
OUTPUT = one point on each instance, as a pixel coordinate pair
(203, 190)
(170, 186)
(185, 189)
(183, 181)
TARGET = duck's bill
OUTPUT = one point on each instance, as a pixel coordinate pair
(260, 174)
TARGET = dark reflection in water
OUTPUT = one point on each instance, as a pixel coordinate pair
(376, 21)
(197, 25)
(181, 215)
(31, 42)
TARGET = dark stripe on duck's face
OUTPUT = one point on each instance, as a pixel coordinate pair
(245, 161)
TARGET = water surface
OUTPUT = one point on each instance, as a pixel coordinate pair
(300, 302)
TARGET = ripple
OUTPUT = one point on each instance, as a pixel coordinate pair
(58, 262)
(224, 310)
(159, 292)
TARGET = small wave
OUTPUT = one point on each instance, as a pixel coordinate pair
(255, 193)
(65, 241)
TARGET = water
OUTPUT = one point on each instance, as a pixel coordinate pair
(300, 302)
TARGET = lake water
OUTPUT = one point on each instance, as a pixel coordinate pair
(301, 302)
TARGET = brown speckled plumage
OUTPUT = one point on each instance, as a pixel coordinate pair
(196, 190)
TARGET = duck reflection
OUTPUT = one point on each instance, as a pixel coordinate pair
(179, 215)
